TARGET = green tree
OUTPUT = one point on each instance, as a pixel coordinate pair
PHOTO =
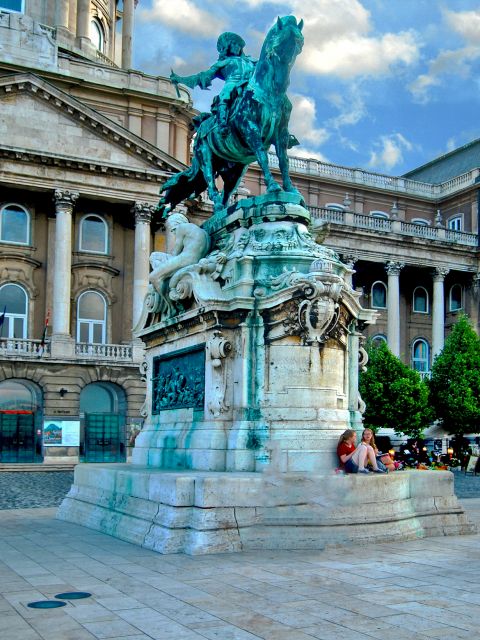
(395, 395)
(455, 382)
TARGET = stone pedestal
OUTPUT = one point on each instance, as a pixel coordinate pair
(200, 512)
(251, 368)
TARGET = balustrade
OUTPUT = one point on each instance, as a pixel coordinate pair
(378, 180)
(104, 351)
(23, 347)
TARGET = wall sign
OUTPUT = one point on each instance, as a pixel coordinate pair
(61, 433)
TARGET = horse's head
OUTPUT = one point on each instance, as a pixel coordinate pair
(284, 41)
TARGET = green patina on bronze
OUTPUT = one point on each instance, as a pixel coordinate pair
(251, 113)
(179, 380)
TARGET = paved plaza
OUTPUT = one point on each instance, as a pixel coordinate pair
(427, 588)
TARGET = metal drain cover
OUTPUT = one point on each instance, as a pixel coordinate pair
(73, 595)
(46, 604)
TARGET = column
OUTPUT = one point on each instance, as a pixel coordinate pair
(62, 13)
(143, 212)
(349, 261)
(438, 311)
(127, 33)
(83, 19)
(393, 306)
(62, 344)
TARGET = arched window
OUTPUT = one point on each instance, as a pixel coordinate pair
(99, 397)
(91, 318)
(335, 206)
(379, 214)
(12, 5)
(379, 295)
(420, 300)
(14, 302)
(378, 339)
(421, 221)
(14, 224)
(97, 35)
(17, 395)
(456, 298)
(420, 356)
(455, 223)
(93, 234)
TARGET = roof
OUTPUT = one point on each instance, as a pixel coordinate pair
(448, 166)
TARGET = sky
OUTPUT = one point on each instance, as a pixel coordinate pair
(383, 85)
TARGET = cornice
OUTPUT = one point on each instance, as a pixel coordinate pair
(58, 160)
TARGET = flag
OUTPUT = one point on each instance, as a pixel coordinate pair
(44, 335)
(2, 318)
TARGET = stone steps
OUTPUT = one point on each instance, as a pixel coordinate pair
(27, 467)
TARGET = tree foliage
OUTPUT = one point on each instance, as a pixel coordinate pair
(455, 382)
(395, 395)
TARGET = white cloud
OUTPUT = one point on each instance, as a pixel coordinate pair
(357, 55)
(302, 121)
(184, 15)
(351, 106)
(305, 152)
(455, 62)
(338, 39)
(465, 23)
(388, 151)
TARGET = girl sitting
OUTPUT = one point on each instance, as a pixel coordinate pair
(352, 459)
(368, 440)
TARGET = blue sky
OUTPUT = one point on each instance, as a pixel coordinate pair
(385, 85)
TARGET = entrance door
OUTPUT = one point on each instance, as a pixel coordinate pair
(103, 442)
(17, 437)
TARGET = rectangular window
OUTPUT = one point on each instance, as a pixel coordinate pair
(12, 5)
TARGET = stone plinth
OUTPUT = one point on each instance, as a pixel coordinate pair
(256, 372)
(204, 512)
(251, 369)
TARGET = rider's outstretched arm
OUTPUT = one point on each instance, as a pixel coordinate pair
(203, 79)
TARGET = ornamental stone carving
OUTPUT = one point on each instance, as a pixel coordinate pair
(394, 268)
(143, 212)
(218, 349)
(65, 200)
(440, 273)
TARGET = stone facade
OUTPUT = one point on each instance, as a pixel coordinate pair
(84, 145)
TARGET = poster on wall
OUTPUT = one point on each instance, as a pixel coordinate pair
(61, 433)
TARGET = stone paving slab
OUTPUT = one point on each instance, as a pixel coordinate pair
(426, 588)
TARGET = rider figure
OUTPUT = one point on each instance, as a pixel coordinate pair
(232, 66)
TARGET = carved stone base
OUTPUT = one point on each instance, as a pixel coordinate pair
(199, 513)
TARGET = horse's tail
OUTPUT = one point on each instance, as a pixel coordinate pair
(181, 186)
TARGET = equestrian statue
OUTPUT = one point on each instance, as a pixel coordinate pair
(250, 114)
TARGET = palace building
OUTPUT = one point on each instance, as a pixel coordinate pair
(86, 142)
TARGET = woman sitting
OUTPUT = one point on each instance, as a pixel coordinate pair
(368, 440)
(352, 459)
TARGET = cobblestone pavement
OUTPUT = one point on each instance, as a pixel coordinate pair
(24, 490)
(467, 486)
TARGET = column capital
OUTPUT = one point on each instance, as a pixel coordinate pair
(439, 274)
(143, 212)
(394, 268)
(349, 259)
(64, 199)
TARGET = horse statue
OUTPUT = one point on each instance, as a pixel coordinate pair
(258, 118)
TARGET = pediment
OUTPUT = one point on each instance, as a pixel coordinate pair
(37, 117)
